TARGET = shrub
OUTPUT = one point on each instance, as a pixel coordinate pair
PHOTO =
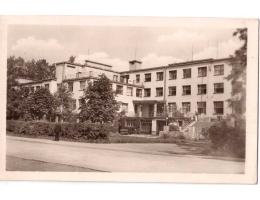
(229, 139)
(73, 131)
(13, 125)
(173, 127)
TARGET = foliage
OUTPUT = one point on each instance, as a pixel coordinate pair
(39, 70)
(98, 103)
(229, 139)
(17, 67)
(238, 75)
(63, 102)
(40, 103)
(17, 102)
(72, 59)
(69, 131)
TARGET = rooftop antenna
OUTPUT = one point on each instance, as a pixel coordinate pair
(217, 49)
(192, 52)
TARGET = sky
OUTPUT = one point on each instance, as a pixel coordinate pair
(117, 45)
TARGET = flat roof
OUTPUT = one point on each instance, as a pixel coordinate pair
(84, 65)
(98, 63)
(179, 64)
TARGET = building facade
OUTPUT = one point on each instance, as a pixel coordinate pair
(179, 92)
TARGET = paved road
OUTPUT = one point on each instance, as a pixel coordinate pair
(119, 157)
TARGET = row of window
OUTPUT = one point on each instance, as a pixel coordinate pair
(186, 90)
(129, 91)
(202, 72)
(201, 107)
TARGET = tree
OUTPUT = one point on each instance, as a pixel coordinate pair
(98, 103)
(17, 102)
(238, 75)
(40, 70)
(63, 102)
(15, 69)
(41, 103)
(34, 70)
(72, 59)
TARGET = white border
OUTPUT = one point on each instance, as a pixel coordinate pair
(252, 91)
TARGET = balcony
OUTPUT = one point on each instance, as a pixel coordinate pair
(150, 115)
(128, 81)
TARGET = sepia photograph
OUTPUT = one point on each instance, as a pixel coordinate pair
(169, 97)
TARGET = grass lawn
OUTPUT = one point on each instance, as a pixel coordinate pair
(21, 164)
(113, 138)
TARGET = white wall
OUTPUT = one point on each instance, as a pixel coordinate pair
(209, 80)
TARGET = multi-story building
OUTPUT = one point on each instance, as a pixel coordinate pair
(177, 92)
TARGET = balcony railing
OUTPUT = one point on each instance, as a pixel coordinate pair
(128, 81)
(165, 114)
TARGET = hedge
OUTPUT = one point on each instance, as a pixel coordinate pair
(85, 131)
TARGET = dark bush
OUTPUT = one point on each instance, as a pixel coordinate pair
(229, 139)
(73, 131)
(13, 125)
(173, 127)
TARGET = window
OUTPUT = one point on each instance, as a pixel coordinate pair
(137, 78)
(219, 107)
(122, 79)
(201, 107)
(32, 89)
(160, 109)
(186, 107)
(111, 86)
(70, 86)
(172, 107)
(119, 89)
(172, 91)
(147, 92)
(124, 107)
(218, 70)
(47, 86)
(159, 76)
(138, 92)
(81, 102)
(115, 78)
(78, 74)
(186, 90)
(186, 73)
(129, 91)
(38, 87)
(82, 85)
(147, 77)
(173, 74)
(58, 86)
(202, 71)
(73, 104)
(218, 88)
(202, 89)
(159, 92)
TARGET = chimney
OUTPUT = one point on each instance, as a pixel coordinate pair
(134, 65)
